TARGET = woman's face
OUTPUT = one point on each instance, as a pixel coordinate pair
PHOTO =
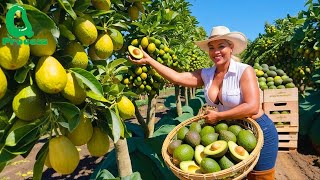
(220, 51)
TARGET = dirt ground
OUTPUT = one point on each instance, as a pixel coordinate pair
(296, 165)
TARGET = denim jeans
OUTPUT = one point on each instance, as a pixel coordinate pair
(269, 151)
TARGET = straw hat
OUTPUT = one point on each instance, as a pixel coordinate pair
(238, 39)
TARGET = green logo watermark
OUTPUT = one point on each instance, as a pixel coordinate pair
(17, 32)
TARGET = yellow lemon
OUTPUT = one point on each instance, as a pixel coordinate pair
(126, 108)
(3, 84)
(78, 54)
(85, 31)
(44, 50)
(83, 132)
(99, 143)
(73, 91)
(103, 46)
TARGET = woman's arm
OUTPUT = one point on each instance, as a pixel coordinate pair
(251, 98)
(187, 79)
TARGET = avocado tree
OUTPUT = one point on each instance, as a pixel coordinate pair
(62, 83)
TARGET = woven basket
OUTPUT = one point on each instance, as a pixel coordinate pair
(238, 171)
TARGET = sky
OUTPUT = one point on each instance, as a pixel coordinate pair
(246, 16)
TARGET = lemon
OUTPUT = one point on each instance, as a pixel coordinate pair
(83, 132)
(101, 4)
(78, 54)
(3, 84)
(126, 108)
(73, 91)
(117, 40)
(92, 54)
(28, 103)
(139, 5)
(50, 75)
(144, 42)
(133, 13)
(13, 56)
(63, 155)
(135, 42)
(143, 76)
(85, 31)
(103, 46)
(151, 48)
(44, 50)
(99, 143)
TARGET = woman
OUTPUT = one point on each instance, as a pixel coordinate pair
(231, 87)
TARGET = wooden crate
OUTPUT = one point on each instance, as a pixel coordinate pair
(292, 107)
(288, 138)
(280, 95)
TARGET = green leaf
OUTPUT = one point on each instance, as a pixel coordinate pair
(184, 117)
(163, 130)
(68, 113)
(187, 109)
(88, 79)
(2, 166)
(99, 13)
(40, 159)
(81, 5)
(97, 97)
(40, 20)
(24, 133)
(6, 99)
(21, 74)
(24, 147)
(112, 65)
(114, 124)
(67, 6)
(133, 176)
(6, 156)
(130, 94)
(104, 174)
(65, 32)
(121, 69)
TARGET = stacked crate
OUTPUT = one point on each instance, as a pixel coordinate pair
(281, 105)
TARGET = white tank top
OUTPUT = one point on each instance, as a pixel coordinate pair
(231, 92)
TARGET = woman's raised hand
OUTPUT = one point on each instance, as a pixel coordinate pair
(144, 60)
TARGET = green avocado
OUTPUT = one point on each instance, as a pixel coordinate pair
(209, 138)
(199, 154)
(195, 126)
(182, 133)
(216, 149)
(207, 129)
(135, 52)
(225, 162)
(235, 129)
(192, 138)
(189, 167)
(209, 165)
(173, 145)
(247, 140)
(221, 126)
(238, 153)
(227, 136)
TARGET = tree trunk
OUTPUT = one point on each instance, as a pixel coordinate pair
(178, 100)
(141, 119)
(151, 114)
(186, 98)
(123, 158)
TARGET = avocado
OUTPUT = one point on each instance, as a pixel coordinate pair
(225, 162)
(280, 72)
(287, 80)
(271, 83)
(209, 138)
(199, 154)
(247, 140)
(195, 126)
(227, 136)
(135, 52)
(192, 138)
(272, 87)
(272, 68)
(238, 153)
(189, 167)
(207, 129)
(209, 165)
(173, 145)
(182, 133)
(290, 85)
(285, 112)
(235, 129)
(275, 112)
(216, 149)
(265, 69)
(272, 73)
(221, 126)
(281, 87)
(262, 79)
(184, 152)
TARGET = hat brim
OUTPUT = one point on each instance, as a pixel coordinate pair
(238, 39)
